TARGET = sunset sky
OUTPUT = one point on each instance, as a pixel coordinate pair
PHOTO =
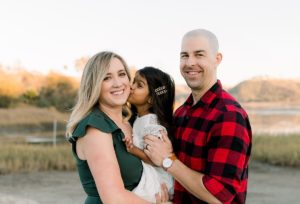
(257, 38)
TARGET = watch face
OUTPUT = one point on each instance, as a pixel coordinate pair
(167, 162)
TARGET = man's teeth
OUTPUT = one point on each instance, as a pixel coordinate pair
(192, 73)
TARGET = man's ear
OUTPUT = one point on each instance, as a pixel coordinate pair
(219, 58)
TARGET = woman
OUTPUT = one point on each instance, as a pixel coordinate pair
(96, 129)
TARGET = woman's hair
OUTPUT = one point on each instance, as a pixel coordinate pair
(162, 93)
(90, 86)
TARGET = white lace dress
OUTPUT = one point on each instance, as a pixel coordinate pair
(152, 176)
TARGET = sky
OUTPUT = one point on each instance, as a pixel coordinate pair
(257, 37)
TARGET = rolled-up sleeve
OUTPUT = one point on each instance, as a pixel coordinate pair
(229, 145)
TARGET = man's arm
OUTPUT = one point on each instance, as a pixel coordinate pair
(159, 149)
(193, 182)
(230, 143)
(228, 156)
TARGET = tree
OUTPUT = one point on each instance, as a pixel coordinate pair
(81, 62)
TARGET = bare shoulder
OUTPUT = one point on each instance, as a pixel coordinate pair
(90, 143)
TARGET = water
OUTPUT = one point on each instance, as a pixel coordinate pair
(280, 121)
(266, 120)
(291, 112)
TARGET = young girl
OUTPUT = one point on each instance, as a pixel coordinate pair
(152, 99)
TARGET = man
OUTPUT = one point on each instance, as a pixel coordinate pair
(212, 132)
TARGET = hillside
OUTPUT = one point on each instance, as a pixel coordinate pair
(267, 90)
(14, 83)
(181, 93)
(260, 90)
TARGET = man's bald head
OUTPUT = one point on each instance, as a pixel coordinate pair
(211, 38)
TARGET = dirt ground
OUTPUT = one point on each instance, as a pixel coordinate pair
(267, 184)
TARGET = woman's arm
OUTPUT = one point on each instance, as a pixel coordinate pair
(97, 148)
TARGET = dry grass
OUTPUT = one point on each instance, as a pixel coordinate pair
(31, 158)
(17, 156)
(277, 150)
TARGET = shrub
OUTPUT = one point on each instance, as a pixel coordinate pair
(61, 95)
(7, 101)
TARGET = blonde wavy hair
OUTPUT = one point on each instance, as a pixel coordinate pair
(90, 86)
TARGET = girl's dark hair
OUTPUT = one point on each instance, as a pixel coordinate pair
(162, 93)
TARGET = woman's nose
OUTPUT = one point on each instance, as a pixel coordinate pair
(132, 86)
(117, 83)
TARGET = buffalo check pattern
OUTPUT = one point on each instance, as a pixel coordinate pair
(214, 137)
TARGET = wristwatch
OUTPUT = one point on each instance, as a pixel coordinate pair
(168, 161)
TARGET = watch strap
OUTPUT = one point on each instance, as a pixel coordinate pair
(171, 157)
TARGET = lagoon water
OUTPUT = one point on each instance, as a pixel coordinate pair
(279, 121)
(267, 120)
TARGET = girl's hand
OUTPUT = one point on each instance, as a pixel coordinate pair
(128, 143)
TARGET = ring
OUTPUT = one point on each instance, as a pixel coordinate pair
(146, 147)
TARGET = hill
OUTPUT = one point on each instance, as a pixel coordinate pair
(267, 90)
(181, 93)
(258, 89)
(15, 83)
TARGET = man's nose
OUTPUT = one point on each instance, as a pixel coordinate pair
(191, 61)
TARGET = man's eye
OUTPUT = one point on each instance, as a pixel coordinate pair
(183, 56)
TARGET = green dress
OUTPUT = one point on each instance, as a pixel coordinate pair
(130, 166)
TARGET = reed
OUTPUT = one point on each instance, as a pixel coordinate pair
(277, 150)
(31, 158)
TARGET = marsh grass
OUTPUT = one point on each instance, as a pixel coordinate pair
(15, 157)
(277, 150)
(31, 158)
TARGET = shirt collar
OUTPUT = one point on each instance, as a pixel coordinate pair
(208, 97)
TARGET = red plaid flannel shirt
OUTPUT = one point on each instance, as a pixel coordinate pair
(214, 137)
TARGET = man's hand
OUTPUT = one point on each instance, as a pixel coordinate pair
(163, 196)
(158, 149)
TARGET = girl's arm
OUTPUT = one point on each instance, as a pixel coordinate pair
(141, 154)
(136, 151)
(104, 167)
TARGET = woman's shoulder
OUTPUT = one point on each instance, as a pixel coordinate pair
(96, 119)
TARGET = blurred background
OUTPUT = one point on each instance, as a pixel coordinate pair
(44, 46)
